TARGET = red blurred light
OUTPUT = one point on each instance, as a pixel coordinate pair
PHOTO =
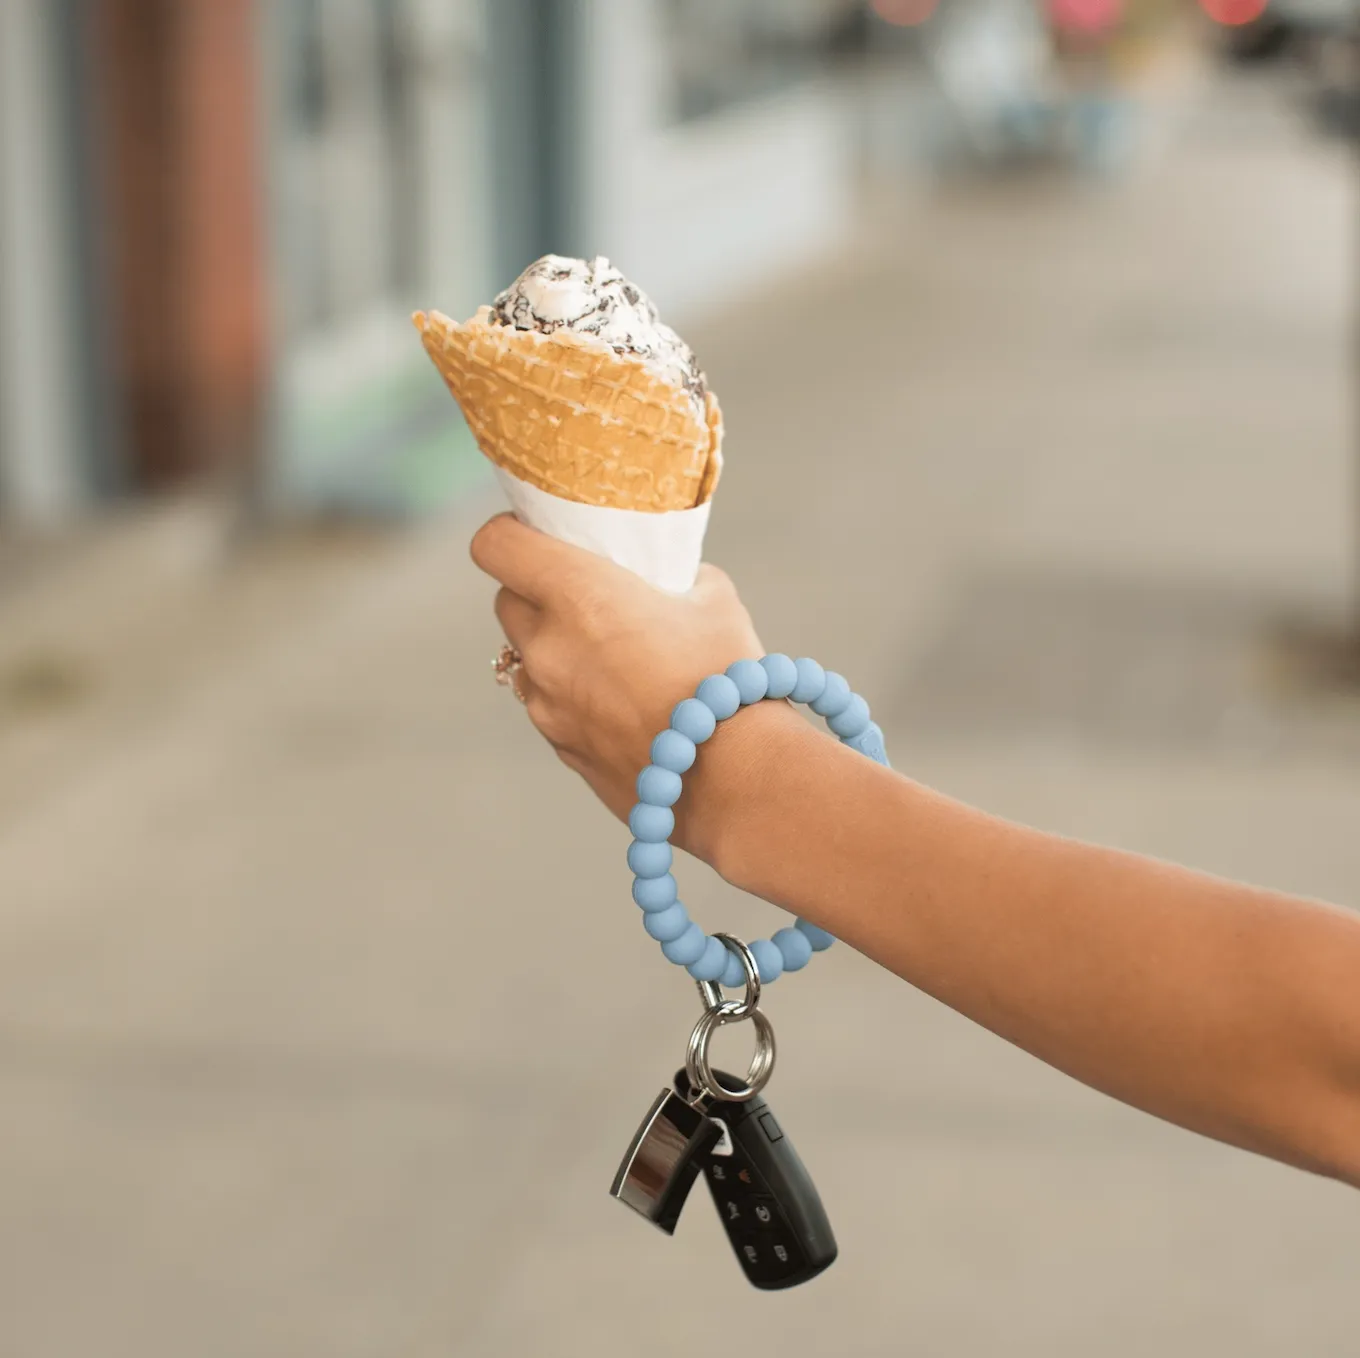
(906, 13)
(1234, 13)
(1086, 16)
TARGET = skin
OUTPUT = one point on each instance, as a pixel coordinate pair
(1228, 1010)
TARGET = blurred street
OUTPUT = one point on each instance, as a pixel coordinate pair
(325, 1015)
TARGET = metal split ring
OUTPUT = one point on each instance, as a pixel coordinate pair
(711, 993)
(507, 666)
(717, 1014)
(700, 1071)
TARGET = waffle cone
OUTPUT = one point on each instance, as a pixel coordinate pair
(566, 414)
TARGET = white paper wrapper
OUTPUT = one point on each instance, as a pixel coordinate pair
(664, 549)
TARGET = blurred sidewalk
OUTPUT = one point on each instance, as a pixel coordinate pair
(324, 1014)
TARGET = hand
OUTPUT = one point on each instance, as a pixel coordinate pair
(606, 656)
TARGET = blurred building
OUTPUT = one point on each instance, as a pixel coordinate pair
(217, 215)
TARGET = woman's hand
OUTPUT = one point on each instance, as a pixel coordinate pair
(606, 656)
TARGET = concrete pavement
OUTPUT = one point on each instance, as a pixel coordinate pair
(324, 1015)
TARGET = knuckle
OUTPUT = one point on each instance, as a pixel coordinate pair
(577, 588)
(543, 667)
(482, 548)
(547, 719)
(594, 615)
(477, 548)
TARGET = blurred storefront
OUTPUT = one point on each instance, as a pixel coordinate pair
(218, 215)
(715, 151)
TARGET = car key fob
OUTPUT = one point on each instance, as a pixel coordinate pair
(766, 1200)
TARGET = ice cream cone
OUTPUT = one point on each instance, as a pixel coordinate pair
(568, 415)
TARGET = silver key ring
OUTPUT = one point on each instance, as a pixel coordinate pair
(717, 1014)
(711, 992)
(697, 1062)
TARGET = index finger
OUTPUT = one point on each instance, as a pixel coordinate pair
(530, 563)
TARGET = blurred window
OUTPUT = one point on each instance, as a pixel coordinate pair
(351, 156)
(726, 52)
(376, 195)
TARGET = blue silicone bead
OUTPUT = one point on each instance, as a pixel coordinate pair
(720, 695)
(769, 960)
(793, 947)
(782, 674)
(654, 893)
(870, 742)
(674, 751)
(734, 974)
(651, 824)
(665, 925)
(694, 720)
(649, 860)
(854, 721)
(811, 680)
(712, 964)
(835, 697)
(658, 787)
(751, 680)
(819, 938)
(688, 948)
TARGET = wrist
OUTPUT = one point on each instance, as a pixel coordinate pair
(735, 775)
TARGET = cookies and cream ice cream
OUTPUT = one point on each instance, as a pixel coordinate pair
(600, 423)
(556, 293)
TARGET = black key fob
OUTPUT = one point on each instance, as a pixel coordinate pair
(766, 1200)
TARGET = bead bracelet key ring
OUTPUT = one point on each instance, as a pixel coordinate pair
(652, 820)
(708, 1122)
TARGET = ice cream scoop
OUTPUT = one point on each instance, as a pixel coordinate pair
(594, 298)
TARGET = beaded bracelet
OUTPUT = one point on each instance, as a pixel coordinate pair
(659, 785)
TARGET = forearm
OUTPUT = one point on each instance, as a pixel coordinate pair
(1231, 1011)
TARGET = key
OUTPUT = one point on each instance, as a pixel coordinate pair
(766, 1200)
(662, 1163)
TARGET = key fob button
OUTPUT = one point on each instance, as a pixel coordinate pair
(770, 1127)
(769, 1257)
(734, 1211)
(763, 1212)
(757, 1258)
(785, 1256)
